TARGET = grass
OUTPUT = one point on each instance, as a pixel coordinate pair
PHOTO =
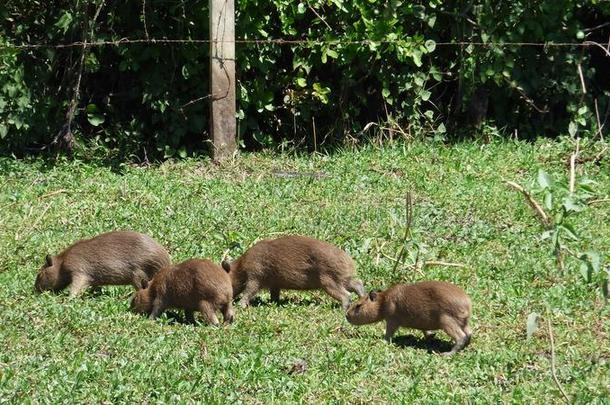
(92, 349)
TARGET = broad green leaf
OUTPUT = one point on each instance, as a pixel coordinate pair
(3, 131)
(532, 324)
(569, 231)
(572, 128)
(95, 119)
(571, 205)
(544, 180)
(332, 53)
(430, 45)
(416, 56)
(548, 200)
(301, 82)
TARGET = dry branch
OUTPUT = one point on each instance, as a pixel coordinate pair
(553, 371)
(409, 221)
(446, 264)
(573, 166)
(538, 210)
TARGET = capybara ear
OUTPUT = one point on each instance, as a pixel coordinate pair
(373, 295)
(144, 284)
(226, 265)
(49, 260)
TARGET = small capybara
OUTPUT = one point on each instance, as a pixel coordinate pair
(297, 263)
(194, 285)
(427, 306)
(112, 258)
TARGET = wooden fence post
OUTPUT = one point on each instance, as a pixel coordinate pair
(222, 78)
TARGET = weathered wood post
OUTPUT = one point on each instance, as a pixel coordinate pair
(222, 78)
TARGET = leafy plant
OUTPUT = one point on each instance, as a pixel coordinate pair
(361, 61)
(562, 202)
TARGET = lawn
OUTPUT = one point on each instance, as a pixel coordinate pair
(92, 349)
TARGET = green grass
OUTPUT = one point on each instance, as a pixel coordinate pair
(91, 349)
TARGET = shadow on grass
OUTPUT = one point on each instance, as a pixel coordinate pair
(431, 345)
(290, 301)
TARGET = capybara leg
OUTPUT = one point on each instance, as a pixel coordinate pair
(468, 334)
(390, 329)
(252, 288)
(157, 308)
(140, 280)
(208, 312)
(453, 329)
(78, 285)
(338, 292)
(275, 295)
(227, 313)
(356, 286)
(429, 334)
(189, 316)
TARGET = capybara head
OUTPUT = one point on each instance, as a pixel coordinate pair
(141, 302)
(50, 277)
(365, 310)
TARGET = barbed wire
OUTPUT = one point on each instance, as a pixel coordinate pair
(280, 41)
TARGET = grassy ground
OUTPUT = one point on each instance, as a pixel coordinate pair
(92, 349)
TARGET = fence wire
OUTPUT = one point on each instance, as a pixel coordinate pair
(310, 42)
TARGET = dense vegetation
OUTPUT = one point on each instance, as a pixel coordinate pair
(92, 350)
(140, 96)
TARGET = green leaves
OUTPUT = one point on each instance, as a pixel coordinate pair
(94, 116)
(544, 180)
(590, 265)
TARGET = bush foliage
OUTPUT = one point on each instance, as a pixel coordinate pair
(148, 96)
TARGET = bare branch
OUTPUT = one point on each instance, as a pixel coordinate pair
(553, 371)
(538, 210)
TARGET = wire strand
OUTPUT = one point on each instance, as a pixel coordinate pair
(280, 41)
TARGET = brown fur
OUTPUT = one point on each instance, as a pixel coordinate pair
(427, 306)
(194, 285)
(112, 258)
(295, 263)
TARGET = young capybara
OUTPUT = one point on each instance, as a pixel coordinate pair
(194, 285)
(427, 306)
(112, 258)
(297, 263)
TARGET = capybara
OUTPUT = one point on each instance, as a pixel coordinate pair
(427, 306)
(297, 263)
(112, 258)
(194, 285)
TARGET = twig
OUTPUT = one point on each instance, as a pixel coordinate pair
(315, 140)
(607, 52)
(319, 16)
(582, 79)
(144, 19)
(538, 210)
(409, 221)
(446, 264)
(573, 166)
(602, 200)
(553, 371)
(34, 224)
(52, 193)
(599, 125)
